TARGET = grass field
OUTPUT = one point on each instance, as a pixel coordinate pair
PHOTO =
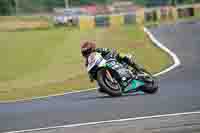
(44, 62)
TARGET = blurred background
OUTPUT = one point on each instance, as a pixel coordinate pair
(22, 7)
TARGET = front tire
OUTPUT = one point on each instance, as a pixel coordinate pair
(111, 88)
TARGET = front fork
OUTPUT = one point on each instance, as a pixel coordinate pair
(109, 76)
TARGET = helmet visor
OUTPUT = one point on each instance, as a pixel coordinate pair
(86, 52)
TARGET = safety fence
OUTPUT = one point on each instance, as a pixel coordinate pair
(141, 16)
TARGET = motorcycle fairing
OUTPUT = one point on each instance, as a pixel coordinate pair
(134, 85)
(95, 59)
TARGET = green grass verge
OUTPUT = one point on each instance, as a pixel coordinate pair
(46, 62)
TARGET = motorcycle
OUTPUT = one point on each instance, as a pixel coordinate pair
(115, 78)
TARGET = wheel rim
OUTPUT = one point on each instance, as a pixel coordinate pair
(111, 84)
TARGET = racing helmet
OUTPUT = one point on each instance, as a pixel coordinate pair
(87, 48)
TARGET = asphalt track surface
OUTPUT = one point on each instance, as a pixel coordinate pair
(170, 124)
(179, 92)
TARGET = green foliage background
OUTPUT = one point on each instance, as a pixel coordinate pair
(140, 2)
(7, 7)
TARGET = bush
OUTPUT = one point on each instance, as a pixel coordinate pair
(7, 7)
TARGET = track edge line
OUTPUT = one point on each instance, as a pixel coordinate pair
(175, 58)
(104, 122)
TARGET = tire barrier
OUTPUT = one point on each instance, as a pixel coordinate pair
(165, 13)
(116, 20)
(140, 16)
(150, 15)
(86, 22)
(130, 18)
(185, 11)
(173, 15)
(66, 21)
(102, 21)
(197, 10)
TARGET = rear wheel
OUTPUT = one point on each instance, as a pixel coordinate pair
(108, 83)
(151, 86)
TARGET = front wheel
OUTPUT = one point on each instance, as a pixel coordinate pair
(108, 83)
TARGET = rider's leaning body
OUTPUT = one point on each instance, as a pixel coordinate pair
(88, 47)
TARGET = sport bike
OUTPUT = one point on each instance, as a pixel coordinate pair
(115, 78)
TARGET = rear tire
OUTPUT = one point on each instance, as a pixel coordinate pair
(151, 86)
(112, 91)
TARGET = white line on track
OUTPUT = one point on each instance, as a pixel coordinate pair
(172, 54)
(49, 96)
(106, 122)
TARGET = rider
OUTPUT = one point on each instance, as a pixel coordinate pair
(88, 47)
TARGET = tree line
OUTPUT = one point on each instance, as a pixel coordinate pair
(9, 7)
(139, 2)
